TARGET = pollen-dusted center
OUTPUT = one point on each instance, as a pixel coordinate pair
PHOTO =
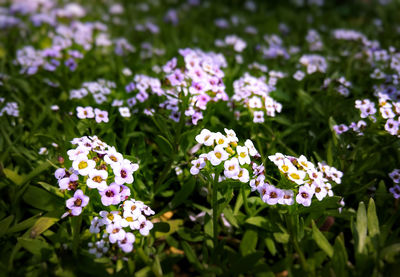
(82, 165)
(218, 155)
(97, 179)
(78, 202)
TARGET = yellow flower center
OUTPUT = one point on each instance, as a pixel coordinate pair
(82, 165)
(218, 155)
(221, 141)
(242, 155)
(97, 179)
(295, 176)
(129, 219)
(285, 168)
(110, 216)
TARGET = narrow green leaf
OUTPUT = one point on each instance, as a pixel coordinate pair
(270, 245)
(4, 224)
(373, 222)
(174, 225)
(361, 227)
(339, 259)
(321, 240)
(164, 144)
(45, 222)
(23, 225)
(41, 199)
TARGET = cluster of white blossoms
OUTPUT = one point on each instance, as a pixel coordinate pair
(235, 158)
(308, 180)
(10, 108)
(120, 227)
(93, 166)
(253, 93)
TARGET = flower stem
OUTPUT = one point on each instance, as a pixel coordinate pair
(215, 213)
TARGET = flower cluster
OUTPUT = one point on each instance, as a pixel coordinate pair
(254, 93)
(98, 89)
(307, 180)
(95, 165)
(341, 85)
(89, 112)
(235, 158)
(118, 227)
(314, 63)
(236, 42)
(101, 172)
(201, 78)
(10, 108)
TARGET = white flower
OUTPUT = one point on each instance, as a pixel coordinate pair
(205, 137)
(222, 140)
(243, 154)
(296, 176)
(218, 155)
(84, 112)
(113, 157)
(124, 111)
(83, 165)
(232, 168)
(97, 179)
(250, 146)
(231, 135)
(197, 166)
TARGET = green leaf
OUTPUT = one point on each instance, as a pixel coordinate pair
(321, 240)
(259, 221)
(164, 144)
(190, 235)
(4, 224)
(162, 227)
(38, 248)
(174, 225)
(13, 176)
(45, 222)
(339, 259)
(190, 254)
(230, 217)
(23, 225)
(41, 199)
(361, 227)
(269, 242)
(249, 242)
(373, 222)
(281, 237)
(389, 253)
(183, 194)
(52, 189)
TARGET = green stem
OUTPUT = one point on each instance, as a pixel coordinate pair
(215, 212)
(293, 236)
(245, 204)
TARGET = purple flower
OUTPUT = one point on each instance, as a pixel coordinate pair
(340, 129)
(305, 195)
(77, 202)
(271, 194)
(395, 191)
(111, 195)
